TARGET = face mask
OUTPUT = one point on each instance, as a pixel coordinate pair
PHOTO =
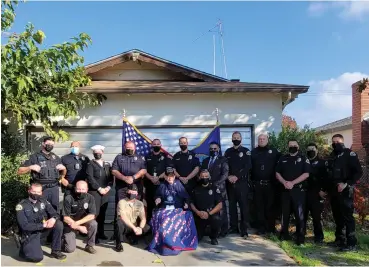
(132, 196)
(292, 149)
(129, 152)
(236, 142)
(74, 150)
(97, 156)
(213, 153)
(48, 147)
(34, 196)
(183, 147)
(156, 148)
(81, 195)
(338, 147)
(205, 181)
(311, 154)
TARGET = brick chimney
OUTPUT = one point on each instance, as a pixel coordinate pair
(360, 127)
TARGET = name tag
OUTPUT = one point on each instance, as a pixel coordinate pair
(169, 207)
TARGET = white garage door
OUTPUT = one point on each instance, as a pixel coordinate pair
(112, 139)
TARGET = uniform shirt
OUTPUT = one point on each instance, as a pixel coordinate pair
(98, 176)
(291, 167)
(318, 174)
(184, 163)
(131, 210)
(206, 198)
(172, 194)
(31, 216)
(239, 161)
(156, 164)
(345, 167)
(76, 166)
(128, 166)
(78, 208)
(48, 162)
(264, 161)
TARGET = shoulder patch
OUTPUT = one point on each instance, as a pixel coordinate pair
(248, 153)
(352, 154)
(218, 191)
(279, 150)
(19, 207)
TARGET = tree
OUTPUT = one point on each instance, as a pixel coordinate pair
(363, 85)
(41, 84)
(288, 121)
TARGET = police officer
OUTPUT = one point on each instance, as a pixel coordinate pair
(264, 161)
(292, 171)
(79, 212)
(186, 165)
(99, 180)
(76, 164)
(217, 165)
(36, 218)
(45, 168)
(239, 161)
(315, 195)
(156, 163)
(206, 204)
(345, 172)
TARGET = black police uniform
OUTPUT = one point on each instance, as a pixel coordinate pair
(184, 163)
(30, 219)
(239, 161)
(205, 199)
(344, 168)
(76, 166)
(156, 165)
(314, 203)
(48, 176)
(99, 177)
(219, 170)
(77, 208)
(264, 161)
(290, 168)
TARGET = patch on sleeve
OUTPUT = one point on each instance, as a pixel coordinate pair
(19, 207)
(248, 153)
(218, 191)
(352, 154)
(307, 161)
(278, 150)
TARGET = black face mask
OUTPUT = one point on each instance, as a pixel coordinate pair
(156, 148)
(213, 153)
(292, 149)
(311, 154)
(34, 196)
(49, 148)
(81, 195)
(205, 181)
(338, 147)
(183, 147)
(236, 142)
(129, 152)
(97, 156)
(132, 196)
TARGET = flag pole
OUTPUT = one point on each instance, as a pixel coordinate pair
(217, 115)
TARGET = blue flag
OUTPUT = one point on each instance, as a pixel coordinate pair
(202, 149)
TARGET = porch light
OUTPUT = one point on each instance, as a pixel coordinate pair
(135, 56)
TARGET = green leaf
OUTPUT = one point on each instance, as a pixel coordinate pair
(39, 36)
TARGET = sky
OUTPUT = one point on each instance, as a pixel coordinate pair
(320, 44)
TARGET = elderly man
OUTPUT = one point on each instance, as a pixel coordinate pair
(264, 160)
(79, 214)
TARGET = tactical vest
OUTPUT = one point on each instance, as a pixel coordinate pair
(48, 173)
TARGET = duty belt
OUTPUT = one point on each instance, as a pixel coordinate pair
(262, 182)
(50, 185)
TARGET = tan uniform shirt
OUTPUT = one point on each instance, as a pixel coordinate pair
(131, 210)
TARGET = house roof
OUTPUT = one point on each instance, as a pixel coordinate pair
(335, 125)
(136, 54)
(188, 87)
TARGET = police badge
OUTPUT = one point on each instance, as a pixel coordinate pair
(35, 209)
(135, 158)
(270, 151)
(241, 154)
(298, 159)
(162, 158)
(170, 198)
(210, 192)
(42, 206)
(218, 191)
(189, 157)
(53, 156)
(85, 206)
(352, 154)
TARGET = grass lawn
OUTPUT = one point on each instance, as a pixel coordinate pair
(315, 255)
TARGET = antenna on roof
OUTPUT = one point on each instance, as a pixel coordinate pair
(223, 53)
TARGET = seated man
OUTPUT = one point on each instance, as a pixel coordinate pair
(206, 203)
(173, 228)
(79, 213)
(129, 210)
(36, 218)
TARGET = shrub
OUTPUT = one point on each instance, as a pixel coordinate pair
(361, 201)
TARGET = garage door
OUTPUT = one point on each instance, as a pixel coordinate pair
(112, 139)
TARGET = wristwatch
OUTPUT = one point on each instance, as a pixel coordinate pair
(134, 177)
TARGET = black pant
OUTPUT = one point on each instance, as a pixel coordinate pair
(314, 205)
(264, 197)
(150, 201)
(122, 231)
(101, 202)
(237, 193)
(342, 209)
(31, 246)
(52, 195)
(224, 218)
(295, 199)
(215, 222)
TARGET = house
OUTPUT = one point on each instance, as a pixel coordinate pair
(167, 100)
(343, 126)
